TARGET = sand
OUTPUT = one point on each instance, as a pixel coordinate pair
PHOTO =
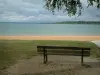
(79, 38)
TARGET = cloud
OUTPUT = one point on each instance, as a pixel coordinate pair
(33, 11)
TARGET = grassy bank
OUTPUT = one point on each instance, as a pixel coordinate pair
(13, 50)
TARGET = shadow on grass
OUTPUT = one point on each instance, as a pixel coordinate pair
(91, 65)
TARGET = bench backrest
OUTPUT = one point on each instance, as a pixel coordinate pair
(63, 50)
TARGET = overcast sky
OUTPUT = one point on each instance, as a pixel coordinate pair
(34, 11)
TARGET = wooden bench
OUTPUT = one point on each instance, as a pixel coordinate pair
(62, 50)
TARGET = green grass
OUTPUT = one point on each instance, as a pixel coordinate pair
(13, 50)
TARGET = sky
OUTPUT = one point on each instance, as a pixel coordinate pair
(34, 11)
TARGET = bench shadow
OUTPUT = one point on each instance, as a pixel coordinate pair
(91, 64)
(57, 72)
(85, 65)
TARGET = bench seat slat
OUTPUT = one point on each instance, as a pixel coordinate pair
(62, 50)
(51, 53)
(63, 47)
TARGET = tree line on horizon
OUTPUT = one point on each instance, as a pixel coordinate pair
(79, 22)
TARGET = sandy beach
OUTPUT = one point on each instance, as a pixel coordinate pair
(79, 38)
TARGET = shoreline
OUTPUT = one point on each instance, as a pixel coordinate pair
(77, 38)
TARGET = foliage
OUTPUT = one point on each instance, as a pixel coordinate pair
(72, 7)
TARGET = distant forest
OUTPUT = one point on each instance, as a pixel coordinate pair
(79, 22)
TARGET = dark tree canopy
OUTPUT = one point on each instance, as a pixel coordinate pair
(70, 6)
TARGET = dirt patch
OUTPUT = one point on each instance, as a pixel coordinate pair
(57, 65)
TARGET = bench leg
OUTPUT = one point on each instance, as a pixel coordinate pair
(45, 56)
(82, 57)
(44, 60)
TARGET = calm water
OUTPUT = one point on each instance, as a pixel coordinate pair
(48, 29)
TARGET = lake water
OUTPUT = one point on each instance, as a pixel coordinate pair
(49, 29)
